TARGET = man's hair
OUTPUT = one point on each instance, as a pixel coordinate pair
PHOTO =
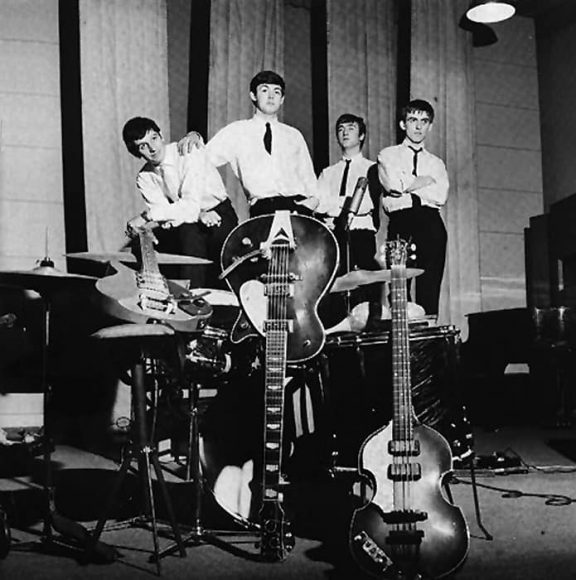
(135, 129)
(350, 118)
(267, 77)
(417, 106)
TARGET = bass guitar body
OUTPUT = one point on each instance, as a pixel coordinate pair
(312, 267)
(428, 540)
(408, 531)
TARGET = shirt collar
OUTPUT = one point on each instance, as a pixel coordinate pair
(353, 157)
(408, 144)
(263, 120)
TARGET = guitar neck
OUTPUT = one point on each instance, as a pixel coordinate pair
(148, 257)
(276, 540)
(401, 381)
(276, 340)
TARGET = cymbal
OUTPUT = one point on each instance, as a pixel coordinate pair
(358, 278)
(42, 278)
(129, 257)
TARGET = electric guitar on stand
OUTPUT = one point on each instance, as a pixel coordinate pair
(280, 266)
(147, 296)
(408, 530)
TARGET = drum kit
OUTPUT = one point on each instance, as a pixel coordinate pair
(212, 357)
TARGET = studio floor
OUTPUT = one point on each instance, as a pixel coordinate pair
(529, 520)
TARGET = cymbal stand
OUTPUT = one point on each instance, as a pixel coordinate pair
(199, 534)
(52, 521)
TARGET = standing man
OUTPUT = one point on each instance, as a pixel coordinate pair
(336, 187)
(183, 194)
(270, 158)
(416, 187)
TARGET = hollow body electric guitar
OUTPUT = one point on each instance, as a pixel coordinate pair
(408, 530)
(280, 266)
(147, 296)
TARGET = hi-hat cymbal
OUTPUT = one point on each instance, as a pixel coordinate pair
(130, 258)
(358, 278)
(42, 278)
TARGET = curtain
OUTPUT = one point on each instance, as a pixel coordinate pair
(124, 74)
(246, 36)
(442, 73)
(362, 39)
(362, 69)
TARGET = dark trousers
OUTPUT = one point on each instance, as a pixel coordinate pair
(202, 242)
(269, 205)
(424, 227)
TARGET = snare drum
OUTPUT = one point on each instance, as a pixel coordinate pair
(358, 374)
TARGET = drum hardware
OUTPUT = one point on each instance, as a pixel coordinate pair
(140, 338)
(198, 534)
(46, 280)
(207, 351)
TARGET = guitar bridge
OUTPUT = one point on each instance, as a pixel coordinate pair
(404, 517)
(151, 304)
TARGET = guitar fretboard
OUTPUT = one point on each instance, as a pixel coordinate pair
(402, 429)
(276, 331)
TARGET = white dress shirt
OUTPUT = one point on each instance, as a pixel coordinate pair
(331, 202)
(395, 165)
(183, 185)
(287, 171)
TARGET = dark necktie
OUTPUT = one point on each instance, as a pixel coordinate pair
(345, 178)
(415, 160)
(268, 139)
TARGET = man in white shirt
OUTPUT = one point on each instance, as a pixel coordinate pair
(416, 187)
(336, 186)
(183, 194)
(271, 159)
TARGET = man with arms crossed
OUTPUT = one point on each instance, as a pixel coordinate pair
(416, 187)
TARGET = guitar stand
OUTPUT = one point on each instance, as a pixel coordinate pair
(140, 446)
(199, 535)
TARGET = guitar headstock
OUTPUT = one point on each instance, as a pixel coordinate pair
(396, 252)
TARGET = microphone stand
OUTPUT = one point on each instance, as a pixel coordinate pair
(347, 263)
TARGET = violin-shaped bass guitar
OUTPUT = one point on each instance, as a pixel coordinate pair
(408, 530)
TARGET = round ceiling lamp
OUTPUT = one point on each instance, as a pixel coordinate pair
(489, 11)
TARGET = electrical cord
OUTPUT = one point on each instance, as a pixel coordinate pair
(551, 499)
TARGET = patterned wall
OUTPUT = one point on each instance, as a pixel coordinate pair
(509, 163)
(31, 202)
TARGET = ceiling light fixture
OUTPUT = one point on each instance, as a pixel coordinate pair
(489, 11)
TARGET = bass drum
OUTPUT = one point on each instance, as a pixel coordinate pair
(231, 430)
(357, 368)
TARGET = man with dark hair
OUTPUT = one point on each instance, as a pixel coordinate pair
(271, 159)
(183, 194)
(336, 186)
(416, 187)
